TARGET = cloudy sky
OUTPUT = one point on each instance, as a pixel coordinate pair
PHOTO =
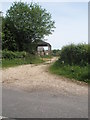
(71, 21)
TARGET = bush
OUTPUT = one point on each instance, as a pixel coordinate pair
(11, 59)
(0, 54)
(11, 55)
(75, 54)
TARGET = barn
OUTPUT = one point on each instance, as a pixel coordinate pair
(41, 48)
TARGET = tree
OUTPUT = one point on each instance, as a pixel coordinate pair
(56, 52)
(8, 38)
(28, 23)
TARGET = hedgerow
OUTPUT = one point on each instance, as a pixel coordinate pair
(11, 55)
(75, 54)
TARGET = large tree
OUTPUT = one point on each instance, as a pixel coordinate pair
(8, 37)
(28, 23)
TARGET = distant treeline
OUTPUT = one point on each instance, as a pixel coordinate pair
(56, 52)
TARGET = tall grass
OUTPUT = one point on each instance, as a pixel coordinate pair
(77, 72)
(11, 59)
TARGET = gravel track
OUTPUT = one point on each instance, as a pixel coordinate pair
(37, 77)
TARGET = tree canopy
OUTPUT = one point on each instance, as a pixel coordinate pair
(24, 25)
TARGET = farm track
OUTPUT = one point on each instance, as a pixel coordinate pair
(37, 78)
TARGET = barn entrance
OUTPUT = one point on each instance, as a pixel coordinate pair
(43, 48)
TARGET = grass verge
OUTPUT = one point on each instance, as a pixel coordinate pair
(21, 61)
(76, 72)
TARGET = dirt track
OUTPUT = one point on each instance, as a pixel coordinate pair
(36, 77)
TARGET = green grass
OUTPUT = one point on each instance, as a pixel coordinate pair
(74, 72)
(21, 61)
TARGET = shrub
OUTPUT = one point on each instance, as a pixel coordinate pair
(75, 54)
(56, 52)
(11, 55)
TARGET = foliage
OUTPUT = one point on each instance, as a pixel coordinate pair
(75, 54)
(24, 25)
(0, 58)
(20, 61)
(73, 62)
(8, 38)
(56, 52)
(76, 72)
(8, 41)
(11, 59)
(11, 55)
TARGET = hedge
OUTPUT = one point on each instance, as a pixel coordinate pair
(11, 55)
(75, 54)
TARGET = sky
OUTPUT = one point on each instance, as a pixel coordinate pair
(71, 22)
